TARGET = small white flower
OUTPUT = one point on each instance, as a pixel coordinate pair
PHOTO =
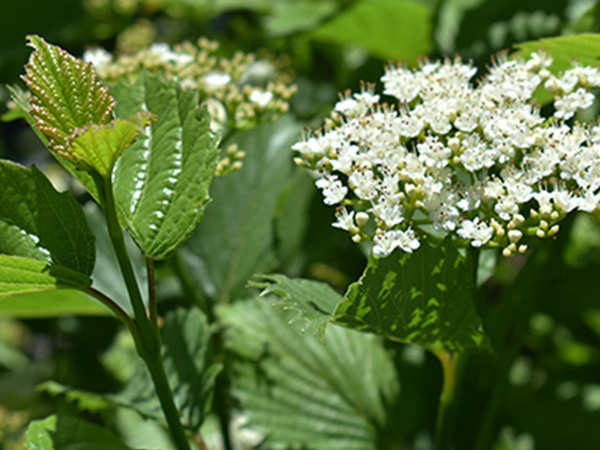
(216, 80)
(477, 231)
(333, 189)
(98, 57)
(345, 220)
(261, 98)
(164, 51)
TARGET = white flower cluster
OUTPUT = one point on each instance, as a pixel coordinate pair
(476, 160)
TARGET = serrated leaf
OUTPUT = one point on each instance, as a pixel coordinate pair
(314, 302)
(388, 29)
(235, 239)
(21, 109)
(189, 366)
(69, 433)
(161, 182)
(97, 147)
(423, 298)
(38, 222)
(300, 393)
(66, 93)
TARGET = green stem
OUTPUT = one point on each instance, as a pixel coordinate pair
(152, 293)
(149, 344)
(116, 310)
(165, 396)
(148, 335)
(444, 426)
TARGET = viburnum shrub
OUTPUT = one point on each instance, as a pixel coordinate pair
(431, 176)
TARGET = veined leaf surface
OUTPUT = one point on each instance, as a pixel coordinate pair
(314, 302)
(38, 222)
(161, 182)
(45, 244)
(423, 298)
(66, 93)
(99, 146)
(301, 393)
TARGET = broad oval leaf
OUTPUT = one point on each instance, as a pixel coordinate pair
(66, 93)
(423, 298)
(388, 29)
(236, 239)
(161, 182)
(300, 393)
(38, 222)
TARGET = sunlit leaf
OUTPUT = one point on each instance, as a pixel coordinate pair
(19, 275)
(98, 147)
(388, 29)
(583, 48)
(66, 93)
(300, 393)
(65, 301)
(424, 298)
(162, 181)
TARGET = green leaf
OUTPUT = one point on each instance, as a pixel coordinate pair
(85, 401)
(423, 298)
(20, 275)
(66, 93)
(51, 303)
(293, 221)
(583, 48)
(21, 109)
(302, 394)
(235, 240)
(313, 301)
(38, 222)
(69, 433)
(161, 182)
(189, 366)
(388, 29)
(107, 277)
(45, 244)
(290, 17)
(96, 148)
